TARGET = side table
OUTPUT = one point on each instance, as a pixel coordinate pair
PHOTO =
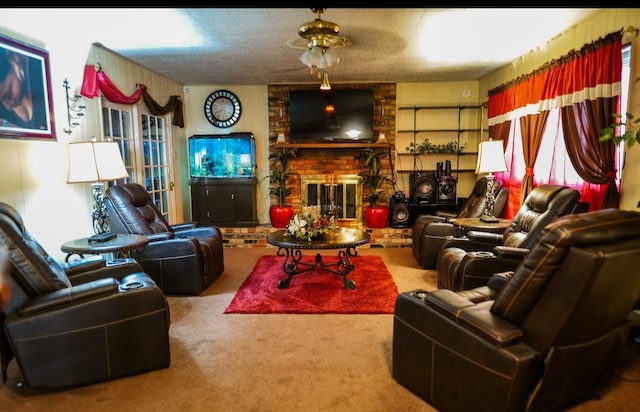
(474, 223)
(122, 244)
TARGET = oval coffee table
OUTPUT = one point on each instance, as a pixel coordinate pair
(345, 239)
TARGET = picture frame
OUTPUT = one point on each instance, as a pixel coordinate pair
(26, 107)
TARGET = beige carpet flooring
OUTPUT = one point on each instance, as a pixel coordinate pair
(279, 363)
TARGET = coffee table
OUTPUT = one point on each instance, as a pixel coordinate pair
(345, 239)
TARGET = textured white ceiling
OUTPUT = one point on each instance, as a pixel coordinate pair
(254, 46)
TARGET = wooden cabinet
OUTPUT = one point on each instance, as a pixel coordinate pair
(224, 202)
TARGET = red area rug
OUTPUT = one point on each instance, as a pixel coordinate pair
(316, 291)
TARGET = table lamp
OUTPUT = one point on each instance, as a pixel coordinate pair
(96, 162)
(490, 161)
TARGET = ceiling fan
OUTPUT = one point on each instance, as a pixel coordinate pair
(319, 38)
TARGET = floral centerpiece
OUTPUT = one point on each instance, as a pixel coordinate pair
(309, 224)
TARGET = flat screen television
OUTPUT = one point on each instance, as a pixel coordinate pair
(312, 120)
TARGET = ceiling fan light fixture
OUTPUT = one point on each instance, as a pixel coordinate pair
(318, 28)
(320, 57)
(325, 85)
(321, 35)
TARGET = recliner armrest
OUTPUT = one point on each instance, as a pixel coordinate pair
(441, 229)
(68, 296)
(155, 237)
(487, 237)
(183, 226)
(477, 267)
(476, 317)
(114, 269)
(498, 280)
(510, 252)
(200, 232)
(177, 247)
(447, 215)
(424, 220)
(91, 262)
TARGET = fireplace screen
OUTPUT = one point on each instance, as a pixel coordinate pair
(343, 198)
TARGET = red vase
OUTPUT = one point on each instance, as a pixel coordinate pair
(376, 217)
(280, 215)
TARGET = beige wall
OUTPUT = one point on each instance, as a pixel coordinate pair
(34, 172)
(433, 94)
(254, 118)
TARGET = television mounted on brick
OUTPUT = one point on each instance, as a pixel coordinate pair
(334, 116)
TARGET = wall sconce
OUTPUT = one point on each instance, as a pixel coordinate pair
(490, 161)
(73, 111)
(96, 162)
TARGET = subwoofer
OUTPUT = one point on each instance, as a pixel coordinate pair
(400, 214)
(424, 188)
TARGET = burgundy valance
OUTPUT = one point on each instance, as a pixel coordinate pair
(95, 81)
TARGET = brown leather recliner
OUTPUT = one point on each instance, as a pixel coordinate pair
(183, 259)
(429, 231)
(77, 323)
(466, 263)
(546, 339)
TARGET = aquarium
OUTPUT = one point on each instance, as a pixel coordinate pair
(230, 155)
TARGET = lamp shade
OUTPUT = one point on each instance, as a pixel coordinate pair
(95, 161)
(491, 157)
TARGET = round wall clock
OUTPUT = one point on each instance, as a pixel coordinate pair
(222, 108)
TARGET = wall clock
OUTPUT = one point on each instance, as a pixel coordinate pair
(222, 108)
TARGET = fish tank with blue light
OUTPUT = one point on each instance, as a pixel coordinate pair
(231, 155)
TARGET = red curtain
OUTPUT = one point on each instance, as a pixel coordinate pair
(592, 73)
(96, 81)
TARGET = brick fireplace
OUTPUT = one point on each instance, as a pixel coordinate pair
(317, 161)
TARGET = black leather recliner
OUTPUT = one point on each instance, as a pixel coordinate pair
(542, 340)
(79, 323)
(183, 259)
(429, 231)
(465, 263)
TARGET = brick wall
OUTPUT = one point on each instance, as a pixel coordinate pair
(327, 161)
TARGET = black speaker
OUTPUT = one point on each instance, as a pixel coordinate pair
(400, 214)
(424, 188)
(447, 190)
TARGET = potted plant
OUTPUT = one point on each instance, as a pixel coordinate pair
(375, 215)
(279, 211)
(631, 126)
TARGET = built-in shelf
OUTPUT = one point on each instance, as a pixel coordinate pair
(437, 154)
(331, 145)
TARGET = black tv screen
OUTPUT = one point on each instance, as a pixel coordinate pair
(312, 121)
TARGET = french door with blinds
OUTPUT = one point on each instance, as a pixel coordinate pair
(144, 142)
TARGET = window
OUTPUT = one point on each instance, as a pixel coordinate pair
(144, 147)
(552, 163)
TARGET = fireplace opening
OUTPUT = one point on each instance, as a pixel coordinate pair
(342, 197)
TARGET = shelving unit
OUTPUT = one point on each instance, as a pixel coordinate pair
(462, 124)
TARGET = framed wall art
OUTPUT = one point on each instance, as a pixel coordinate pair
(26, 109)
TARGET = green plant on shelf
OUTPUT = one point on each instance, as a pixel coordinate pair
(427, 147)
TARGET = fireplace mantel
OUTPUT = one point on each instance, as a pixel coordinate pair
(331, 145)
